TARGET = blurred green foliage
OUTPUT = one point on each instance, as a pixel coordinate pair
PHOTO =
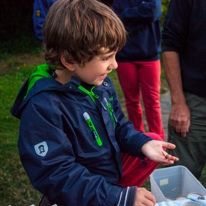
(164, 9)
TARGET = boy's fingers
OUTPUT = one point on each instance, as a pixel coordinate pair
(165, 154)
(173, 158)
(168, 145)
(168, 156)
(149, 200)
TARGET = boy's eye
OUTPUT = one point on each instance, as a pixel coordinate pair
(106, 58)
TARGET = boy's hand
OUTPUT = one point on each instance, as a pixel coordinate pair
(144, 197)
(155, 152)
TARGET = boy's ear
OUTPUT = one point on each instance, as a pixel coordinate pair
(69, 66)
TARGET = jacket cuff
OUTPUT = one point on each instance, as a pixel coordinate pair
(127, 197)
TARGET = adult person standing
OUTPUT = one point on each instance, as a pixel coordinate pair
(139, 67)
(184, 47)
(40, 10)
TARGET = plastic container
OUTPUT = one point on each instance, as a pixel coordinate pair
(172, 182)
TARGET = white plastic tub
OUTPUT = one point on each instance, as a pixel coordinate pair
(172, 182)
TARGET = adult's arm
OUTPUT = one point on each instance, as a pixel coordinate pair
(180, 114)
(176, 26)
(175, 33)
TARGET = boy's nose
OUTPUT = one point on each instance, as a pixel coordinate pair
(114, 64)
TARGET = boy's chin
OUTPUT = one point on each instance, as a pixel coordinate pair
(100, 83)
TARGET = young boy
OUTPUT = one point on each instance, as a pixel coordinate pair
(74, 142)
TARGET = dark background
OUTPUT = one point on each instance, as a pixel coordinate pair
(15, 18)
(16, 27)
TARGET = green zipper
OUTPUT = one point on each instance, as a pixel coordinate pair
(90, 93)
(110, 111)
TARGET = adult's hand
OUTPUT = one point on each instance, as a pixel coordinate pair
(180, 118)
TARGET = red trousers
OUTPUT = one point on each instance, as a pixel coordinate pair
(134, 171)
(145, 77)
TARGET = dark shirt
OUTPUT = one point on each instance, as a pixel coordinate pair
(184, 31)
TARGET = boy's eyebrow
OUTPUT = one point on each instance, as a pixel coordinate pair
(108, 54)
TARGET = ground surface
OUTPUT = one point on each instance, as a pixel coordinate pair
(28, 59)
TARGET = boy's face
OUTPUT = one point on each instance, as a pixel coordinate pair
(95, 71)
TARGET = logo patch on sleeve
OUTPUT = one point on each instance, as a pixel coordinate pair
(41, 149)
(38, 13)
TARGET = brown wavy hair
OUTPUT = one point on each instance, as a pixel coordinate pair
(78, 29)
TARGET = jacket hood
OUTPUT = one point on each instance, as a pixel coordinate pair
(41, 71)
(40, 80)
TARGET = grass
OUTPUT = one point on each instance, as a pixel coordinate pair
(19, 43)
(15, 187)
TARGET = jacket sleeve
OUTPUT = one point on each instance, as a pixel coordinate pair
(129, 139)
(49, 159)
(176, 25)
(40, 11)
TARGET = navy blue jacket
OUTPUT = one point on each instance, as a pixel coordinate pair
(184, 31)
(40, 10)
(141, 20)
(60, 152)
